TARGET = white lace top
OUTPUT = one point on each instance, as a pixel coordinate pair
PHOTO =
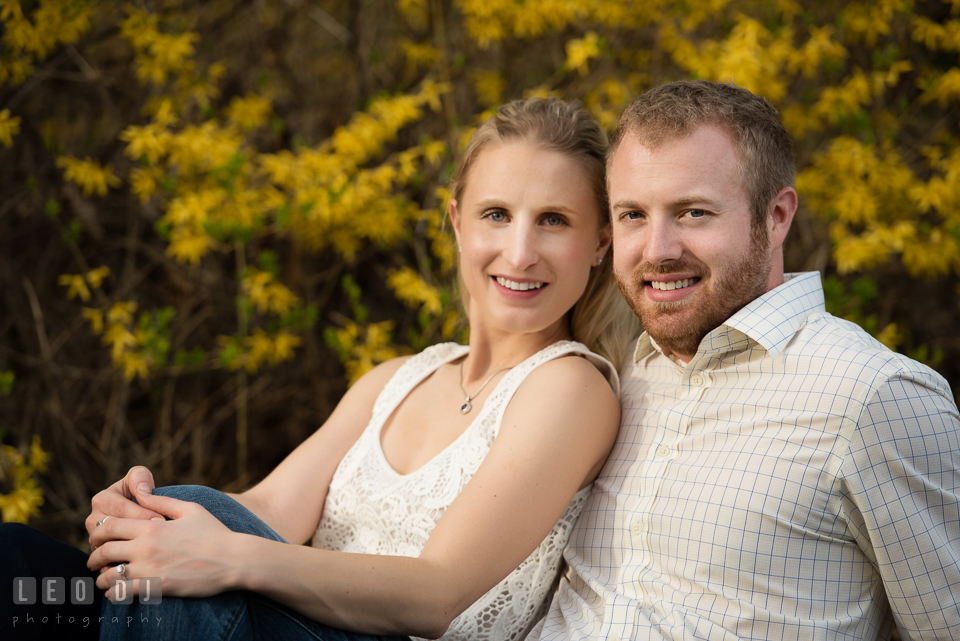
(372, 509)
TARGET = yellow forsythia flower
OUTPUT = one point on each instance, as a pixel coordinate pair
(21, 504)
(283, 346)
(249, 112)
(88, 174)
(122, 312)
(188, 247)
(95, 276)
(489, 86)
(76, 286)
(95, 316)
(25, 498)
(9, 127)
(581, 50)
(413, 290)
(891, 336)
(134, 364)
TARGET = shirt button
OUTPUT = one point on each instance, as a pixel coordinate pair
(663, 451)
(696, 380)
(636, 528)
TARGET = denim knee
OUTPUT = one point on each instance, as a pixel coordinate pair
(229, 511)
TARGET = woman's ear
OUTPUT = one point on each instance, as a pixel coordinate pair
(455, 220)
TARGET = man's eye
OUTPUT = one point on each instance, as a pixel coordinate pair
(697, 213)
(633, 215)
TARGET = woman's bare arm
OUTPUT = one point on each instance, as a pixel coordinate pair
(556, 433)
(290, 499)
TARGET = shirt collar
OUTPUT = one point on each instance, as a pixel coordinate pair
(771, 320)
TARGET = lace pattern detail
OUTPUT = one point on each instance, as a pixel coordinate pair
(372, 509)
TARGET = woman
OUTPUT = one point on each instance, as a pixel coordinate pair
(453, 476)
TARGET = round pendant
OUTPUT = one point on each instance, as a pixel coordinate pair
(466, 407)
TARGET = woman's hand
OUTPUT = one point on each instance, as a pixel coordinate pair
(117, 500)
(189, 552)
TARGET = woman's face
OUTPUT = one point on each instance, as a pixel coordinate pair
(528, 226)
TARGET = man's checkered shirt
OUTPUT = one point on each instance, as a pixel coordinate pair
(789, 481)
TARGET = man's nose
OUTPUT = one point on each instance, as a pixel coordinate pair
(662, 243)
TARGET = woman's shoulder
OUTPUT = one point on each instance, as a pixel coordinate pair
(558, 359)
(570, 380)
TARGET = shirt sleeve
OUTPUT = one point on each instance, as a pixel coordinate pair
(902, 500)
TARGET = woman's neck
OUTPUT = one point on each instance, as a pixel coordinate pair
(492, 351)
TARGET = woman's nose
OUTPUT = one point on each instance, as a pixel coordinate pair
(521, 250)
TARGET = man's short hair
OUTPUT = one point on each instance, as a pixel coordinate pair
(678, 109)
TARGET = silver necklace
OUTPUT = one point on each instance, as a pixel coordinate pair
(466, 407)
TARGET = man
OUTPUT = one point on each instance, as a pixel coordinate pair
(779, 474)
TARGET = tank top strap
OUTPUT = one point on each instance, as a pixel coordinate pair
(412, 372)
(496, 403)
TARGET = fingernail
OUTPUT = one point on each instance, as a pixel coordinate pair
(143, 488)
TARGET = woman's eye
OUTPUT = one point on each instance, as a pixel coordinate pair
(554, 220)
(495, 216)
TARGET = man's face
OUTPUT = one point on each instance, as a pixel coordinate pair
(686, 255)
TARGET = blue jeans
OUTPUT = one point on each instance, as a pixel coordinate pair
(27, 554)
(231, 616)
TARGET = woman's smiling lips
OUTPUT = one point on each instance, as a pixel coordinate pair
(518, 289)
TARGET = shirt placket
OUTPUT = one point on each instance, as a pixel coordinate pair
(672, 429)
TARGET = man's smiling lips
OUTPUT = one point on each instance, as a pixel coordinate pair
(666, 286)
(670, 290)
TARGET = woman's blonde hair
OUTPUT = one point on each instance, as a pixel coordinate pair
(600, 319)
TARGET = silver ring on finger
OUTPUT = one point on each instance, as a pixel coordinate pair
(120, 569)
(103, 520)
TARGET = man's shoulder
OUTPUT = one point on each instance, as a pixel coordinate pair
(842, 345)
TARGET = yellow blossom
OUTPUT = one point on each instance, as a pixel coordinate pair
(419, 54)
(134, 364)
(9, 127)
(283, 346)
(143, 182)
(581, 50)
(21, 504)
(38, 456)
(95, 316)
(150, 141)
(122, 312)
(489, 86)
(95, 276)
(259, 348)
(76, 286)
(412, 290)
(120, 340)
(249, 112)
(88, 175)
(188, 246)
(891, 336)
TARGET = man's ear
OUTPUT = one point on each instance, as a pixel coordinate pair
(455, 220)
(605, 240)
(780, 216)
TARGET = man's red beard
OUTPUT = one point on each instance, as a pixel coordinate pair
(679, 326)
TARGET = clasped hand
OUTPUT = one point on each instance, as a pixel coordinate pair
(157, 536)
